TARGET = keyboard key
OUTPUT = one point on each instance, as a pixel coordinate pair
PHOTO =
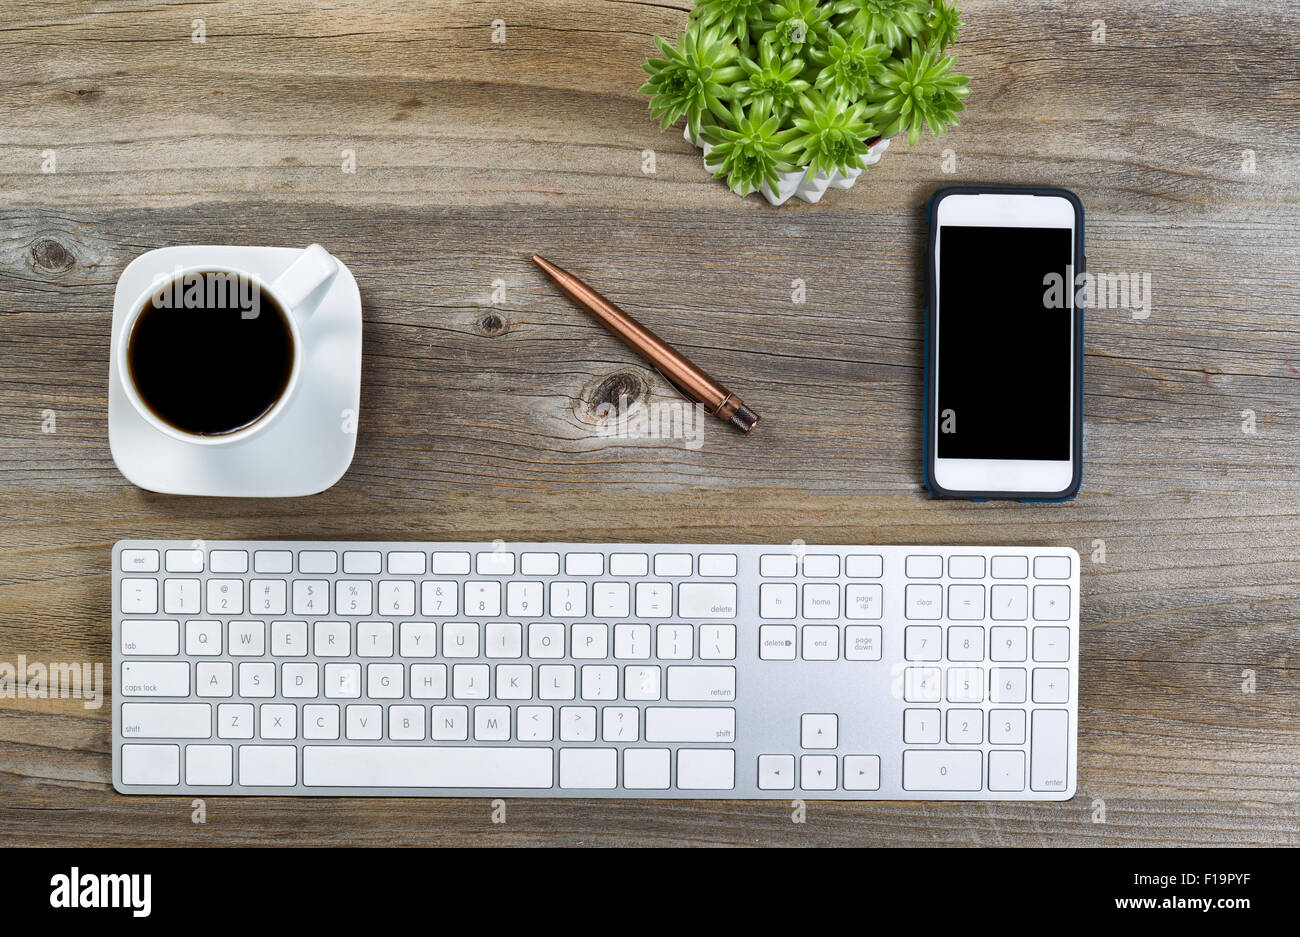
(818, 772)
(1048, 752)
(922, 685)
(620, 724)
(599, 682)
(362, 562)
(673, 564)
(225, 597)
(706, 769)
(181, 596)
(228, 561)
(288, 639)
(965, 684)
(311, 597)
(588, 768)
(267, 597)
(546, 640)
(921, 726)
(590, 642)
(1006, 771)
(353, 597)
(862, 772)
(438, 598)
(449, 564)
(202, 638)
(776, 642)
(151, 764)
(584, 564)
(273, 561)
(318, 561)
(299, 681)
(965, 726)
(406, 723)
(214, 678)
(428, 681)
(151, 638)
(375, 639)
(483, 599)
(942, 770)
(449, 723)
(717, 564)
(641, 684)
(167, 720)
(821, 566)
(819, 730)
(184, 561)
(365, 723)
(148, 678)
(684, 724)
(922, 602)
(1052, 645)
(209, 765)
(556, 681)
(654, 600)
(470, 681)
(1007, 685)
(568, 599)
(496, 563)
(629, 564)
(776, 772)
(820, 601)
(701, 600)
(342, 681)
(1051, 685)
(1051, 603)
(577, 723)
(257, 680)
(966, 567)
(701, 684)
(1007, 643)
(426, 766)
(1051, 567)
(966, 602)
(1009, 603)
(279, 722)
(647, 769)
(864, 566)
(320, 722)
(234, 721)
(491, 723)
(397, 597)
(1010, 567)
(862, 642)
(269, 765)
(675, 642)
(502, 640)
(924, 567)
(541, 564)
(139, 561)
(632, 642)
(782, 565)
(535, 724)
(778, 600)
(524, 599)
(1007, 726)
(863, 602)
(405, 563)
(965, 643)
(923, 642)
(139, 596)
(718, 642)
(332, 639)
(386, 681)
(821, 642)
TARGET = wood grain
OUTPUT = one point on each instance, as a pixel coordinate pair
(478, 417)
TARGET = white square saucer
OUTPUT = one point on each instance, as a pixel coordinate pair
(311, 443)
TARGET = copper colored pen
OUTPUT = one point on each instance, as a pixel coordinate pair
(693, 383)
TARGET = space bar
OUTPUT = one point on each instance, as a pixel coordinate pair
(424, 766)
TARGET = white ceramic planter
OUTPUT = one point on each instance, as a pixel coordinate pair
(800, 184)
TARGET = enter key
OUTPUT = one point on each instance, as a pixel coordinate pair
(701, 684)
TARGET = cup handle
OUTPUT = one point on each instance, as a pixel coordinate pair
(312, 267)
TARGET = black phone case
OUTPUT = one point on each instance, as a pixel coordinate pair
(931, 349)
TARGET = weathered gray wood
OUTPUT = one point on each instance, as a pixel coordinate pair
(478, 418)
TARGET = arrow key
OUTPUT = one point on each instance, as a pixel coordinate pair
(862, 772)
(776, 772)
(817, 772)
(820, 730)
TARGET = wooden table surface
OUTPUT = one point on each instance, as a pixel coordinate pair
(478, 411)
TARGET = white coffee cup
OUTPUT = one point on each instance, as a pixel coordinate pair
(291, 290)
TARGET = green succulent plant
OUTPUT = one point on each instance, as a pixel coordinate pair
(831, 133)
(918, 91)
(732, 18)
(770, 84)
(693, 81)
(848, 66)
(751, 150)
(797, 27)
(893, 21)
(942, 25)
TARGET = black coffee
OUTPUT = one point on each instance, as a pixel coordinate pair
(210, 353)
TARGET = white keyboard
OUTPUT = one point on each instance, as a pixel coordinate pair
(595, 670)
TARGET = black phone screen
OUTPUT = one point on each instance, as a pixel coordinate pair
(1004, 343)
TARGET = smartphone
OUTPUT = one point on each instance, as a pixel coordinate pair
(1004, 344)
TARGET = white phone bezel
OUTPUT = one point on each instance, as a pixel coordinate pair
(1001, 210)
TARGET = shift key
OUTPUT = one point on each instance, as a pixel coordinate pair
(687, 724)
(146, 678)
